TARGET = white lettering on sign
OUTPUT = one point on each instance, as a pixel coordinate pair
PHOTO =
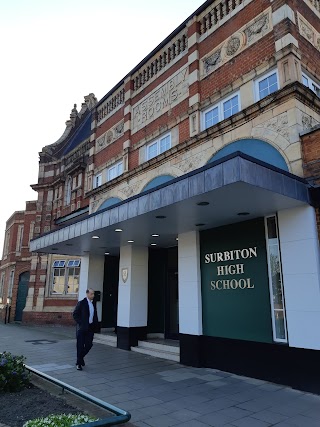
(160, 100)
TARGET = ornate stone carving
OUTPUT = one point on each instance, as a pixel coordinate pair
(278, 124)
(110, 136)
(190, 163)
(130, 190)
(308, 122)
(212, 61)
(233, 45)
(259, 26)
(306, 31)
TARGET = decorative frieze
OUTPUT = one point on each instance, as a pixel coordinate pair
(309, 32)
(110, 136)
(239, 41)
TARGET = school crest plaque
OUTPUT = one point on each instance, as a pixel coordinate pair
(124, 274)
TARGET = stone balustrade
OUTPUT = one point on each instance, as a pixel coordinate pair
(158, 63)
(110, 104)
(216, 13)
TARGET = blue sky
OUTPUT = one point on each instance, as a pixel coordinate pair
(53, 52)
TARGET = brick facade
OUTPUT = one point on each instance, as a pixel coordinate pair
(222, 50)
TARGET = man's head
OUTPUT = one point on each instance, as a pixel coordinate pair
(90, 294)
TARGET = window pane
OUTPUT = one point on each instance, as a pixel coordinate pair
(164, 144)
(276, 277)
(111, 173)
(73, 280)
(120, 168)
(268, 85)
(211, 117)
(230, 107)
(152, 151)
(279, 322)
(58, 280)
(305, 81)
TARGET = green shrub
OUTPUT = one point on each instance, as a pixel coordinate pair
(13, 374)
(63, 420)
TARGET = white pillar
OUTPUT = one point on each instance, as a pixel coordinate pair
(190, 303)
(133, 287)
(91, 276)
(133, 296)
(299, 245)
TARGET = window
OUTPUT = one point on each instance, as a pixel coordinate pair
(11, 280)
(114, 171)
(67, 191)
(6, 244)
(275, 281)
(97, 180)
(2, 286)
(19, 238)
(65, 277)
(267, 84)
(307, 81)
(159, 146)
(224, 109)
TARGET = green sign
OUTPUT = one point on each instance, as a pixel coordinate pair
(234, 279)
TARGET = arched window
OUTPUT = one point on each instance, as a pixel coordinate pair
(109, 202)
(256, 148)
(157, 181)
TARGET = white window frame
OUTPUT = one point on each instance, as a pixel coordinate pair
(275, 339)
(311, 84)
(265, 76)
(97, 180)
(220, 106)
(67, 191)
(157, 144)
(118, 167)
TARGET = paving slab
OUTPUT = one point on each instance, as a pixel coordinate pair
(159, 392)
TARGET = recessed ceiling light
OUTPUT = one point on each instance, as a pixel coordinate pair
(203, 203)
(199, 225)
(95, 237)
(107, 253)
(177, 238)
(243, 213)
(155, 235)
(161, 216)
(118, 230)
(130, 241)
(153, 244)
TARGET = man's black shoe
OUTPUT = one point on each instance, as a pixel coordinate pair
(79, 368)
(83, 363)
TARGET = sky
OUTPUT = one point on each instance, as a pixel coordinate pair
(52, 54)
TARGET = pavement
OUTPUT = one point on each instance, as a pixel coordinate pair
(161, 393)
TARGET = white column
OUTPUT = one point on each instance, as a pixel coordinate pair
(91, 276)
(133, 287)
(299, 245)
(190, 303)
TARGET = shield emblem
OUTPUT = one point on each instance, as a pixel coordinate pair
(124, 274)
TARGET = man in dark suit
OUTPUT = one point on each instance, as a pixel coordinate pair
(85, 314)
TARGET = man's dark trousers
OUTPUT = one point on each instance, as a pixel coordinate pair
(84, 344)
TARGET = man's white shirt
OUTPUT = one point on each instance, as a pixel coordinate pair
(91, 311)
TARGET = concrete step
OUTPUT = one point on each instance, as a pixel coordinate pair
(110, 340)
(162, 351)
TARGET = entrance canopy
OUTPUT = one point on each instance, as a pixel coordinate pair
(229, 190)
